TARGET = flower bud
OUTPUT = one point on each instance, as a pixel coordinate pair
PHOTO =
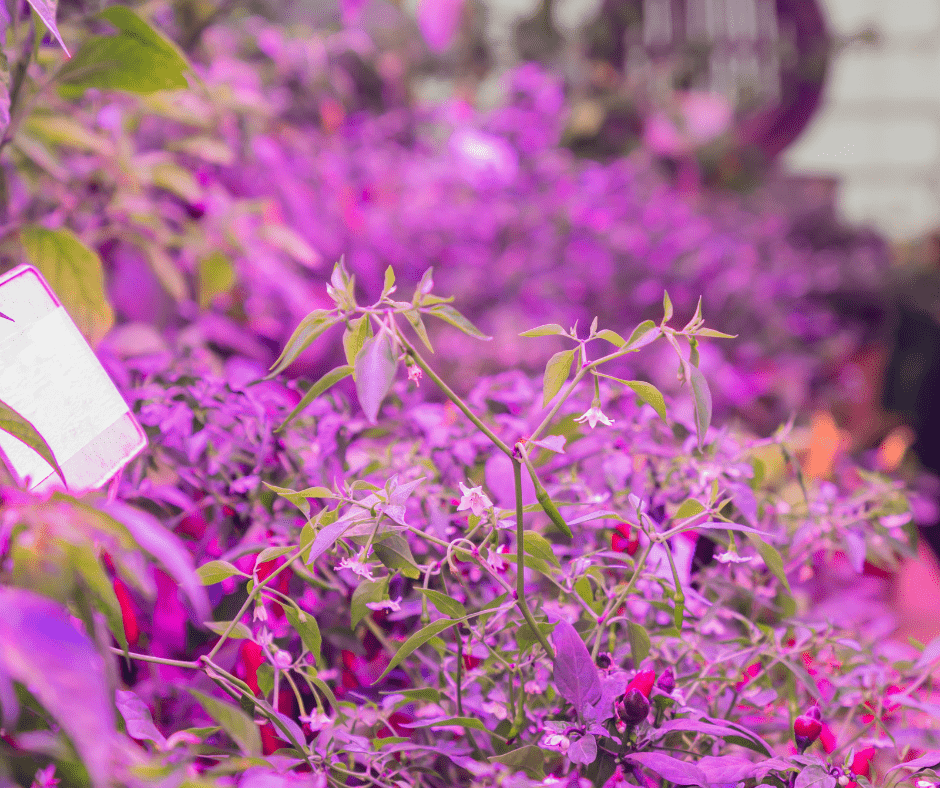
(642, 681)
(633, 707)
(667, 681)
(604, 661)
(806, 728)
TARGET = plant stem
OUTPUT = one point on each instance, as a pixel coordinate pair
(173, 663)
(520, 566)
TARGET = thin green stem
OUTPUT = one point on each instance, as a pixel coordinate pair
(520, 565)
(174, 663)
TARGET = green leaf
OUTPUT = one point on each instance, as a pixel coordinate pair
(667, 308)
(642, 335)
(395, 553)
(75, 274)
(389, 281)
(366, 591)
(538, 546)
(216, 571)
(455, 722)
(772, 559)
(556, 373)
(612, 336)
(446, 604)
(526, 637)
(702, 398)
(312, 326)
(20, 428)
(650, 395)
(216, 276)
(417, 640)
(529, 759)
(280, 236)
(710, 332)
(450, 315)
(265, 677)
(414, 317)
(354, 337)
(240, 632)
(639, 642)
(307, 628)
(689, 508)
(238, 725)
(549, 329)
(137, 59)
(329, 380)
(376, 365)
(270, 553)
(299, 497)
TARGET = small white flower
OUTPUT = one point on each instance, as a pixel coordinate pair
(474, 499)
(282, 659)
(556, 740)
(733, 558)
(394, 605)
(594, 415)
(317, 720)
(414, 373)
(357, 566)
(260, 614)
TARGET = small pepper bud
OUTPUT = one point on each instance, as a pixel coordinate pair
(633, 707)
(604, 660)
(667, 681)
(642, 681)
(806, 728)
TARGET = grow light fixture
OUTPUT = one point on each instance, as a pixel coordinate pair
(50, 375)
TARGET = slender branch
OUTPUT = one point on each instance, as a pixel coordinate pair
(173, 663)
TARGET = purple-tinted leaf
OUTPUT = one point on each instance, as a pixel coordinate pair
(814, 777)
(576, 675)
(167, 548)
(326, 538)
(9, 703)
(583, 750)
(725, 769)
(672, 769)
(554, 443)
(702, 397)
(744, 501)
(611, 688)
(930, 653)
(375, 373)
(41, 649)
(46, 10)
(926, 761)
(137, 718)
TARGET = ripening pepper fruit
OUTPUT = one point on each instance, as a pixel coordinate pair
(861, 764)
(131, 628)
(807, 727)
(667, 681)
(633, 707)
(642, 681)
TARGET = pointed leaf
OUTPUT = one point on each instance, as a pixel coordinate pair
(417, 640)
(239, 632)
(651, 395)
(216, 571)
(642, 335)
(308, 629)
(358, 331)
(375, 373)
(414, 317)
(137, 718)
(450, 315)
(389, 281)
(330, 379)
(529, 759)
(137, 59)
(76, 276)
(576, 675)
(83, 559)
(538, 546)
(772, 559)
(639, 642)
(238, 725)
(710, 332)
(395, 553)
(446, 604)
(612, 336)
(46, 10)
(702, 397)
(312, 326)
(549, 329)
(556, 373)
(20, 428)
(667, 307)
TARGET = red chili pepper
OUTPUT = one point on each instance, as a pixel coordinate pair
(131, 628)
(642, 681)
(624, 540)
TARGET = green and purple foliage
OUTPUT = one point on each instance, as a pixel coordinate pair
(378, 577)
